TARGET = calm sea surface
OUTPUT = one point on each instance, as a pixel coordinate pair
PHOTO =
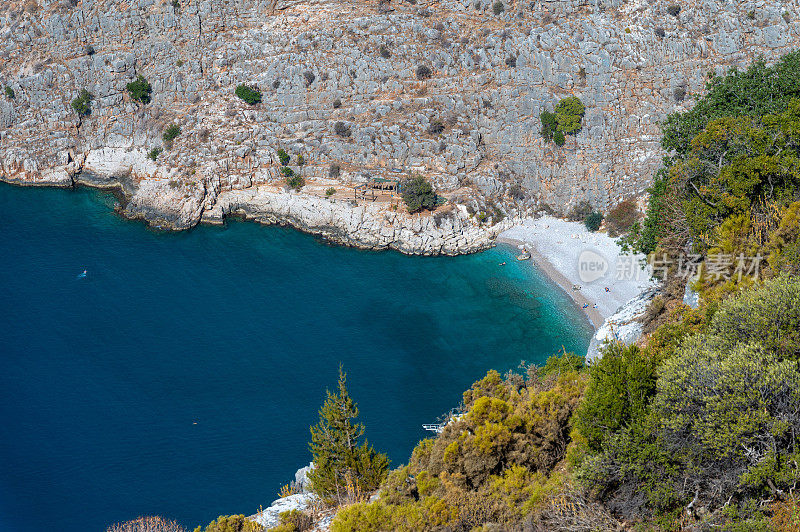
(180, 376)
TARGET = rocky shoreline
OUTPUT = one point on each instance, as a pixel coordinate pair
(151, 193)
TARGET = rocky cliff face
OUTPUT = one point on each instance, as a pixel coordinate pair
(472, 127)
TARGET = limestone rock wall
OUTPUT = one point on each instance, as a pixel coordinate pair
(320, 62)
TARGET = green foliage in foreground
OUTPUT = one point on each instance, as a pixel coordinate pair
(248, 94)
(139, 89)
(418, 194)
(495, 464)
(345, 469)
(712, 420)
(82, 104)
(154, 153)
(9, 93)
(231, 523)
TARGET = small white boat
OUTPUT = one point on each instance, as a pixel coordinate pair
(524, 256)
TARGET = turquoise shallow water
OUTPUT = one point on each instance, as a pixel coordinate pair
(239, 329)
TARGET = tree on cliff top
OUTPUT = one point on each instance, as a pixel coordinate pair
(345, 470)
(418, 194)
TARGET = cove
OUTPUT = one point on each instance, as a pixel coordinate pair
(180, 376)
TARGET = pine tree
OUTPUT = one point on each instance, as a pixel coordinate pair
(344, 470)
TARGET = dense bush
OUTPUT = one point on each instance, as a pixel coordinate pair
(231, 523)
(345, 469)
(423, 72)
(334, 171)
(569, 113)
(385, 52)
(330, 191)
(247, 94)
(707, 420)
(309, 77)
(730, 173)
(171, 133)
(418, 194)
(593, 221)
(679, 93)
(498, 7)
(337, 103)
(342, 129)
(9, 93)
(154, 153)
(660, 32)
(621, 218)
(295, 182)
(566, 120)
(139, 89)
(436, 127)
(673, 9)
(82, 104)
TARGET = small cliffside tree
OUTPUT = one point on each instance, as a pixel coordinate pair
(418, 194)
(344, 470)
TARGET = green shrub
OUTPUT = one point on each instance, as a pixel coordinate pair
(330, 191)
(385, 52)
(566, 120)
(784, 244)
(498, 7)
(309, 77)
(549, 124)
(593, 221)
(569, 113)
(287, 172)
(423, 72)
(247, 94)
(337, 103)
(82, 104)
(418, 194)
(673, 9)
(171, 133)
(436, 127)
(342, 129)
(231, 523)
(334, 170)
(283, 157)
(9, 93)
(139, 89)
(295, 521)
(295, 182)
(154, 153)
(301, 160)
(621, 386)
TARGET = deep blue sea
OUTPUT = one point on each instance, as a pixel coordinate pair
(180, 376)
